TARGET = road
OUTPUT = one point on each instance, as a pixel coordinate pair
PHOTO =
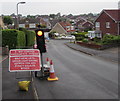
(80, 76)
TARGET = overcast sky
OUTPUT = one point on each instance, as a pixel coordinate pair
(47, 7)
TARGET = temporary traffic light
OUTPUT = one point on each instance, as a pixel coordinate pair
(40, 40)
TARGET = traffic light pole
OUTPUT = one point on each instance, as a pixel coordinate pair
(42, 68)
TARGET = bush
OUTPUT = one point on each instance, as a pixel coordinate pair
(21, 39)
(30, 36)
(13, 38)
(111, 39)
(9, 37)
(85, 40)
(80, 36)
(97, 39)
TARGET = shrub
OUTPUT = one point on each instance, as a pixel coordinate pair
(13, 38)
(79, 38)
(9, 37)
(111, 39)
(30, 38)
(21, 42)
(85, 40)
(97, 39)
(29, 35)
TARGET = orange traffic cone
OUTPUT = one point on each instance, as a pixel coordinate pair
(52, 76)
(48, 63)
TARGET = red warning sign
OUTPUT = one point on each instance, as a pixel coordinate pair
(24, 60)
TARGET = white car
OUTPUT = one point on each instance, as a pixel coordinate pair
(70, 37)
(63, 37)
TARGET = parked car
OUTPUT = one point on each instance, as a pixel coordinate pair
(63, 37)
(70, 37)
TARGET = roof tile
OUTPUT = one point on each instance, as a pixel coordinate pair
(115, 14)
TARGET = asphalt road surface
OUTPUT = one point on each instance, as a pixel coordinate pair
(80, 76)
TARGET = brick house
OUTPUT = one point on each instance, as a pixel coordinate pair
(87, 25)
(108, 22)
(83, 24)
(32, 23)
(63, 28)
(29, 23)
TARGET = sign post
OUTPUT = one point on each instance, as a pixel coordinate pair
(24, 60)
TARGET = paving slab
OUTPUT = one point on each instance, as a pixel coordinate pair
(111, 54)
(10, 89)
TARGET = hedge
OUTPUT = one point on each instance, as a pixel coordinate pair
(9, 37)
(111, 39)
(21, 40)
(30, 36)
(80, 36)
(13, 38)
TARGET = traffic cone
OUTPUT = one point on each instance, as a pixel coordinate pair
(52, 76)
(47, 67)
(48, 63)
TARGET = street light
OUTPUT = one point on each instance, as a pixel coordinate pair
(17, 13)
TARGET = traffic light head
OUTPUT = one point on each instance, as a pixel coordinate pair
(40, 40)
(39, 33)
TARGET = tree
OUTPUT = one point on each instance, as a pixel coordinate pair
(13, 15)
(43, 26)
(30, 16)
(52, 16)
(7, 20)
(90, 14)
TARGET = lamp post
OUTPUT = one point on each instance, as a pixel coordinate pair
(17, 13)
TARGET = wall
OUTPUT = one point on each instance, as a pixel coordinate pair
(113, 26)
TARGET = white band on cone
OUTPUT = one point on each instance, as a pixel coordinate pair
(52, 69)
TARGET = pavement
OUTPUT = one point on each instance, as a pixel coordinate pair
(9, 83)
(111, 54)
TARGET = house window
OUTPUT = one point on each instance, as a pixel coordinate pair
(99, 35)
(108, 33)
(97, 24)
(22, 25)
(72, 27)
(32, 26)
(107, 24)
(67, 28)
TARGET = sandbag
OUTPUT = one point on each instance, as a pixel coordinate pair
(23, 85)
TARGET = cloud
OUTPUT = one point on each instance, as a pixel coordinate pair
(41, 8)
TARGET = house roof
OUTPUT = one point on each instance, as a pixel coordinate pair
(60, 27)
(64, 24)
(81, 21)
(114, 14)
(29, 20)
(87, 22)
(53, 22)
